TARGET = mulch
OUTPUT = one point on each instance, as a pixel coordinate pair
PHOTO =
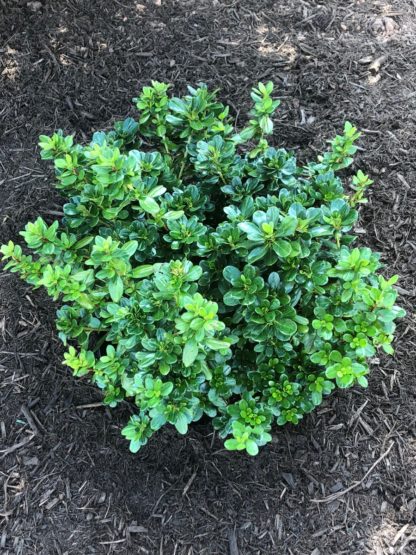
(343, 481)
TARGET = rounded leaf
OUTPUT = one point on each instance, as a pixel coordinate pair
(231, 274)
(286, 326)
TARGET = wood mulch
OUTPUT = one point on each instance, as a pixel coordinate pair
(342, 482)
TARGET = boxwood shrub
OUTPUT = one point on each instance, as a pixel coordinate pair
(201, 271)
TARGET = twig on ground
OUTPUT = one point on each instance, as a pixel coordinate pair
(90, 405)
(16, 446)
(188, 484)
(339, 494)
(27, 414)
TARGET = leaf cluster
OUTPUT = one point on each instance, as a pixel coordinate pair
(200, 270)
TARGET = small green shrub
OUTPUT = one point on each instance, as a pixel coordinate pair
(201, 276)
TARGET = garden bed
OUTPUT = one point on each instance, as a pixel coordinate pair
(343, 481)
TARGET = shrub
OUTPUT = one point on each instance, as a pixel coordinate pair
(201, 271)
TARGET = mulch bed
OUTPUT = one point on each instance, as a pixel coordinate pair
(342, 482)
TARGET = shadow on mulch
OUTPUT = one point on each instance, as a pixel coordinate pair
(341, 482)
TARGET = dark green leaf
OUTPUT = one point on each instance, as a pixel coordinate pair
(257, 254)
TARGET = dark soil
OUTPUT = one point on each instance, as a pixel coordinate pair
(342, 482)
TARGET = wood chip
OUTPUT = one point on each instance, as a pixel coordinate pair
(136, 529)
(399, 534)
(233, 546)
(188, 484)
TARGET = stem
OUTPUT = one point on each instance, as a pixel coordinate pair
(222, 178)
(184, 158)
(99, 343)
(165, 145)
(182, 168)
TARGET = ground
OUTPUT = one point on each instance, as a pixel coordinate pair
(342, 482)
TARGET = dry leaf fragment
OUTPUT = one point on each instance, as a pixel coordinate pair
(385, 26)
(374, 67)
(34, 6)
(365, 60)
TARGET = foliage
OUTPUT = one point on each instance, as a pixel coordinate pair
(202, 271)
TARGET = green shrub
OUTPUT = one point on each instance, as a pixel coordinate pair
(201, 271)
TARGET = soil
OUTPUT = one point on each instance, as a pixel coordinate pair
(343, 481)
